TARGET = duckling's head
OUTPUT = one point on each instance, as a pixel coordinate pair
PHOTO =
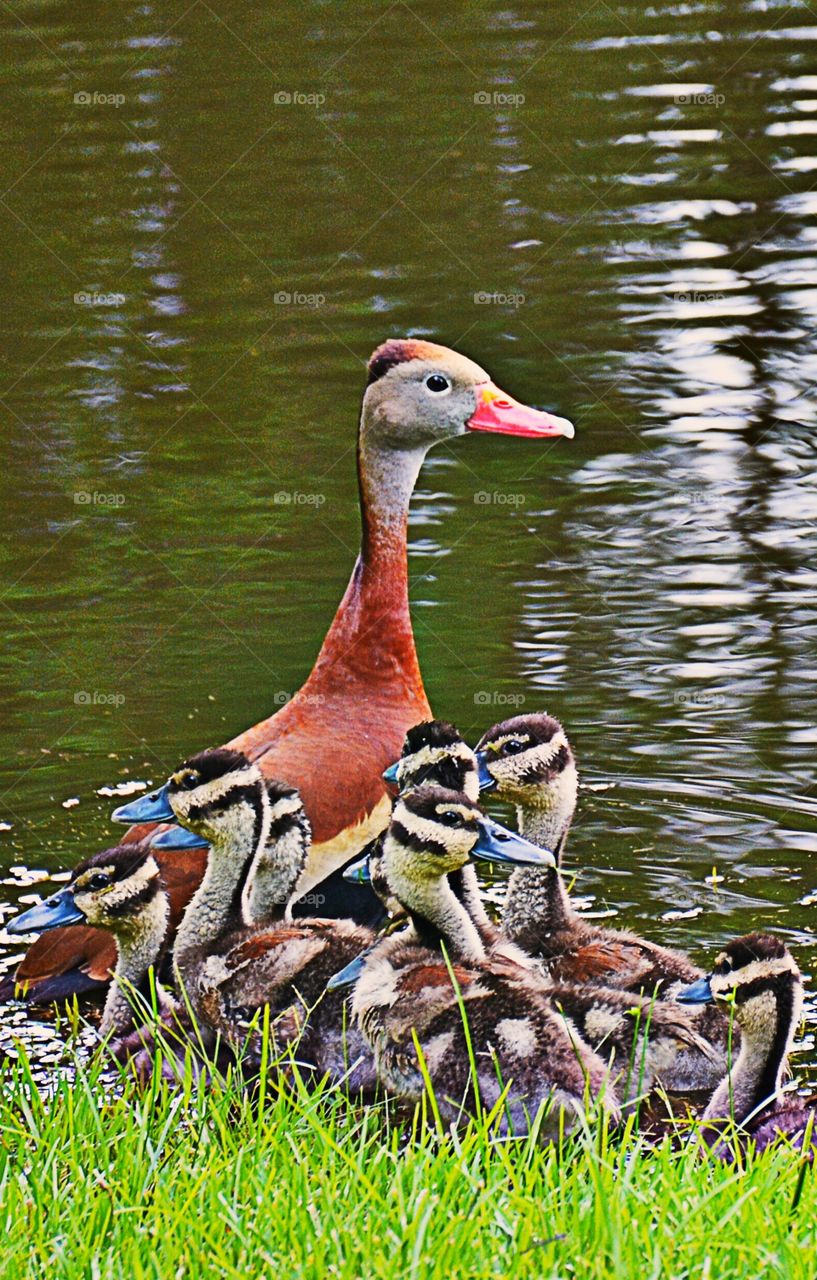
(434, 752)
(220, 796)
(528, 761)
(419, 393)
(434, 832)
(119, 889)
(759, 977)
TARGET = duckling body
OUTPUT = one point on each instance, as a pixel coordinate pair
(406, 997)
(232, 971)
(758, 979)
(529, 762)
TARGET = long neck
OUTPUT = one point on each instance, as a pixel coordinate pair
(371, 639)
(275, 873)
(437, 915)
(537, 903)
(216, 906)
(765, 1042)
(137, 952)
(465, 886)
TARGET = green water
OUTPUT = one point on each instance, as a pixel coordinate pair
(636, 197)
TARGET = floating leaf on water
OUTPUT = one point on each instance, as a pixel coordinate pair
(682, 915)
(71, 802)
(5, 826)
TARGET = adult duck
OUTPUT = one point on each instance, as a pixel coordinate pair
(346, 724)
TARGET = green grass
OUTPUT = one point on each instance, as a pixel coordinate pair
(97, 1182)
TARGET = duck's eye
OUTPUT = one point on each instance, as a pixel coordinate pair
(436, 382)
(450, 818)
(189, 782)
(99, 881)
(513, 746)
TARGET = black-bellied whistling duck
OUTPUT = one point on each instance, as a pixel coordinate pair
(480, 1020)
(336, 736)
(527, 761)
(757, 981)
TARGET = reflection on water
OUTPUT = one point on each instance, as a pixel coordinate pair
(211, 217)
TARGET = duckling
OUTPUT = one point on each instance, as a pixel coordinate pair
(406, 997)
(528, 761)
(230, 970)
(644, 1042)
(757, 978)
(120, 890)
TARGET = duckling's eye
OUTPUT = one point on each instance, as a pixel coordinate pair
(436, 382)
(189, 782)
(450, 818)
(99, 881)
(513, 746)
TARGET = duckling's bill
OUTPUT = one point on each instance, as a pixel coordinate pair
(60, 909)
(151, 808)
(497, 844)
(486, 781)
(699, 992)
(176, 837)
(349, 975)
(358, 872)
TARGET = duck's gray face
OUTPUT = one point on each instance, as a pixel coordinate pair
(528, 761)
(420, 394)
(218, 795)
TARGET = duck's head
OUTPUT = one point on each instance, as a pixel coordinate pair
(434, 752)
(528, 761)
(119, 889)
(435, 832)
(419, 394)
(218, 795)
(759, 977)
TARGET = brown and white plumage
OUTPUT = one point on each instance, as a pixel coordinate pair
(532, 766)
(757, 979)
(406, 996)
(235, 973)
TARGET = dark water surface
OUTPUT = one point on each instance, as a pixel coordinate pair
(211, 213)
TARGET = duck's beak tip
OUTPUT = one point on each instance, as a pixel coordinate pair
(500, 413)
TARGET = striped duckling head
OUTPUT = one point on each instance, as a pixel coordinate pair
(758, 975)
(528, 762)
(119, 889)
(220, 796)
(434, 752)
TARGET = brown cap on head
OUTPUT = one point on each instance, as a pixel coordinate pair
(399, 350)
